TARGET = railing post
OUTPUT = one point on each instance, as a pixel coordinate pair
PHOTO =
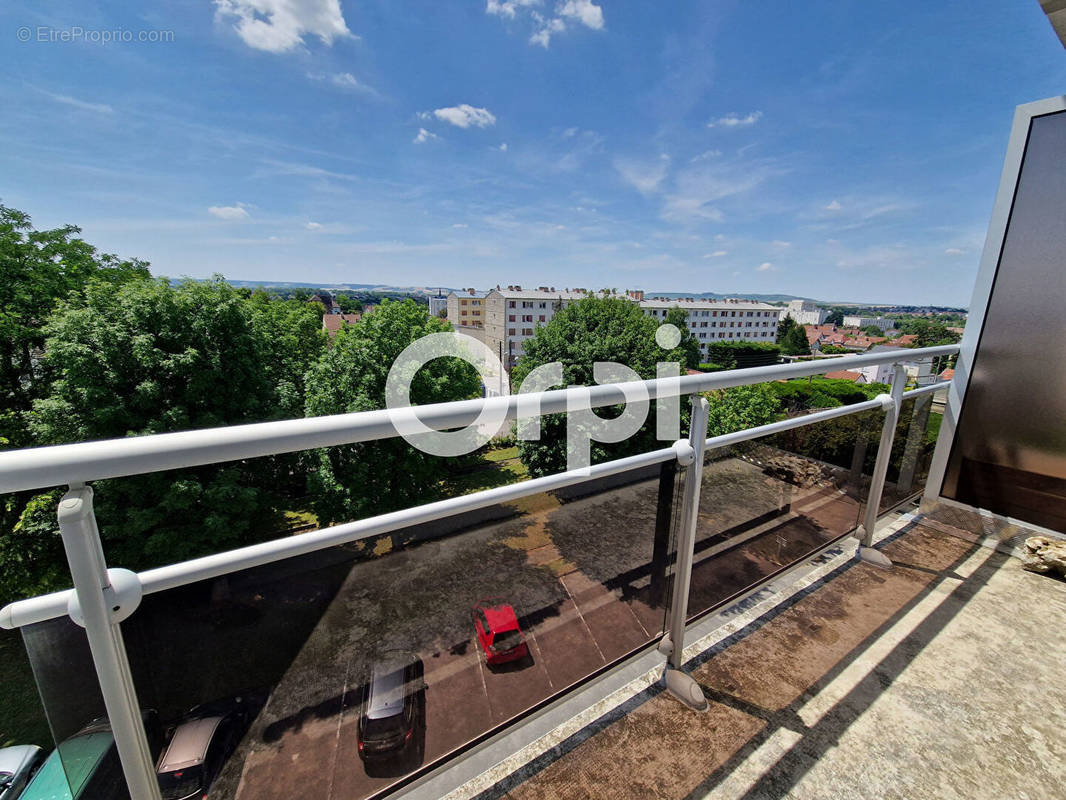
(877, 480)
(96, 608)
(678, 683)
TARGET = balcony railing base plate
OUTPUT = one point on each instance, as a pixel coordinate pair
(875, 557)
(684, 687)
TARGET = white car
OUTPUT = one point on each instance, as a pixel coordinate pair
(17, 764)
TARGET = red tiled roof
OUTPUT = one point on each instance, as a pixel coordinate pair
(844, 375)
(334, 322)
(947, 375)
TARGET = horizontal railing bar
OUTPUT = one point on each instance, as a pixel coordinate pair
(50, 606)
(747, 434)
(44, 467)
(928, 389)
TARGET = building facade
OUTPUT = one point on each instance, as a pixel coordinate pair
(884, 323)
(721, 320)
(806, 312)
(438, 303)
(466, 309)
(512, 314)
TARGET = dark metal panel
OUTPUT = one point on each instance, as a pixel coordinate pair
(1009, 451)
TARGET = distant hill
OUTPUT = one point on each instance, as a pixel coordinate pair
(335, 287)
(762, 298)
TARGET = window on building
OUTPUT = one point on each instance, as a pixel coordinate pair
(541, 317)
(510, 331)
(527, 331)
(510, 304)
(510, 318)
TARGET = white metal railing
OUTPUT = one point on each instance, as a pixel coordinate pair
(102, 597)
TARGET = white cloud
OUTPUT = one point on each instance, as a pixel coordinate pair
(735, 120)
(460, 225)
(766, 266)
(463, 116)
(507, 8)
(584, 11)
(717, 254)
(705, 155)
(313, 226)
(67, 100)
(424, 136)
(954, 251)
(699, 188)
(644, 175)
(547, 24)
(834, 206)
(503, 147)
(279, 26)
(230, 213)
(342, 80)
(543, 34)
(781, 244)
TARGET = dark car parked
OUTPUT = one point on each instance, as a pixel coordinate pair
(393, 707)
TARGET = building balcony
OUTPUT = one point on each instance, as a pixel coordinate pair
(759, 613)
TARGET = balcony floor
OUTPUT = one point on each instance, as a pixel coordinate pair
(941, 677)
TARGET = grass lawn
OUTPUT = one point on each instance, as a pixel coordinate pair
(501, 468)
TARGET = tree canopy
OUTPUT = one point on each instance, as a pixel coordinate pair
(153, 358)
(579, 335)
(357, 480)
(38, 269)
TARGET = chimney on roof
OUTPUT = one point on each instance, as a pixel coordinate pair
(471, 290)
(542, 288)
(552, 289)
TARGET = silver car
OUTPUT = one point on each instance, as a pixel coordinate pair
(17, 764)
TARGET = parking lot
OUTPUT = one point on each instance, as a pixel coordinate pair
(578, 574)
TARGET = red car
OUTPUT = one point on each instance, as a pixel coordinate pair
(497, 631)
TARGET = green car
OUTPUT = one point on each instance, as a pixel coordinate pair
(87, 765)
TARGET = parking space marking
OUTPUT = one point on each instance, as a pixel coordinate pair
(584, 622)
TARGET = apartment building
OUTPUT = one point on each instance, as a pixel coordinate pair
(466, 309)
(727, 320)
(438, 302)
(884, 323)
(806, 312)
(512, 314)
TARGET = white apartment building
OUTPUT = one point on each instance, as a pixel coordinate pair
(919, 370)
(884, 323)
(806, 312)
(437, 303)
(721, 320)
(512, 314)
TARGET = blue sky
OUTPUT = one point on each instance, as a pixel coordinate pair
(838, 150)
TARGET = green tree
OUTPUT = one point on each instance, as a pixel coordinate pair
(357, 480)
(835, 317)
(689, 346)
(349, 305)
(784, 326)
(873, 330)
(152, 358)
(740, 407)
(604, 329)
(929, 333)
(795, 342)
(38, 269)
